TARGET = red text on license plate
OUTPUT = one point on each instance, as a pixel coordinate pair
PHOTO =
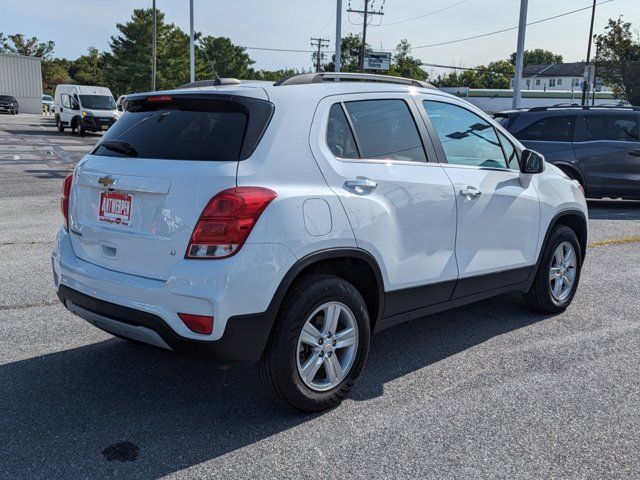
(115, 208)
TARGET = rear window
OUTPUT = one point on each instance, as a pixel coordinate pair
(190, 127)
(385, 129)
(550, 129)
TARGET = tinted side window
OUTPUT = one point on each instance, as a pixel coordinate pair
(386, 130)
(551, 129)
(510, 152)
(466, 138)
(339, 135)
(622, 128)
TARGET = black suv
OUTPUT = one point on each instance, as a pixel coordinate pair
(598, 146)
(9, 104)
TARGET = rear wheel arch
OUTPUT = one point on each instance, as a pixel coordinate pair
(354, 265)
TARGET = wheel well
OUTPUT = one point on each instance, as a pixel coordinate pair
(359, 273)
(578, 224)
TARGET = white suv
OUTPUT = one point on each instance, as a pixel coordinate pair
(283, 224)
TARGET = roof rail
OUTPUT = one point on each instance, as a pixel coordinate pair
(212, 83)
(307, 78)
(586, 107)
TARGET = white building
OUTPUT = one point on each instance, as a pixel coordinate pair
(564, 77)
(21, 77)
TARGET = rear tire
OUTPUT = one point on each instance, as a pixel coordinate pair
(332, 363)
(59, 124)
(558, 274)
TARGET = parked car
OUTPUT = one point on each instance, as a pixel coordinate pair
(283, 224)
(48, 104)
(82, 108)
(597, 146)
(120, 103)
(9, 104)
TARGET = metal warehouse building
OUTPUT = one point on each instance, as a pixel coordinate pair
(21, 77)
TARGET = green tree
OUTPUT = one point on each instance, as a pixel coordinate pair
(218, 55)
(494, 75)
(89, 69)
(55, 72)
(404, 65)
(618, 60)
(21, 45)
(537, 56)
(349, 54)
(275, 75)
(128, 67)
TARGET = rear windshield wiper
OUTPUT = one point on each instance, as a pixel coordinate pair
(120, 147)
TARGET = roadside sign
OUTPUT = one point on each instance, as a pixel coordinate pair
(377, 61)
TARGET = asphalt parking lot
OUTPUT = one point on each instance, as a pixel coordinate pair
(485, 391)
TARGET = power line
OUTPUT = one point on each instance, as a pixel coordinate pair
(426, 14)
(279, 49)
(509, 29)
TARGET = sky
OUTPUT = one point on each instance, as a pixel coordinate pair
(75, 25)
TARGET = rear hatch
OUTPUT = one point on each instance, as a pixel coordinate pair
(137, 197)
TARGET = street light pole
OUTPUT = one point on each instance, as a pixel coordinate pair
(520, 54)
(192, 62)
(154, 50)
(338, 56)
(585, 85)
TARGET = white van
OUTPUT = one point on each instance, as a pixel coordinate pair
(82, 108)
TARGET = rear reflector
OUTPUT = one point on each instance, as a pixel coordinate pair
(197, 323)
(64, 199)
(227, 221)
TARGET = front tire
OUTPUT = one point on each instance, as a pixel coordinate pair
(319, 345)
(558, 274)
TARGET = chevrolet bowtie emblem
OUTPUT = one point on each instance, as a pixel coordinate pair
(107, 181)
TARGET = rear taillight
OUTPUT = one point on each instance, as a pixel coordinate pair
(227, 221)
(198, 323)
(64, 200)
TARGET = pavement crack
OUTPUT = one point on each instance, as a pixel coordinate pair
(615, 241)
(34, 242)
(31, 305)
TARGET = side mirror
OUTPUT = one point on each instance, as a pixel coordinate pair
(532, 162)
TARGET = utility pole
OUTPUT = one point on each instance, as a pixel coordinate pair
(522, 27)
(585, 85)
(320, 43)
(192, 61)
(338, 55)
(366, 13)
(154, 51)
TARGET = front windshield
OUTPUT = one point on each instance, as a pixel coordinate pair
(98, 102)
(47, 98)
(6, 98)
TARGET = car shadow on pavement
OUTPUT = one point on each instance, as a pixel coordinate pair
(614, 209)
(50, 173)
(62, 411)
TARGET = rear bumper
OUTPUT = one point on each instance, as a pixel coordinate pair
(243, 342)
(231, 290)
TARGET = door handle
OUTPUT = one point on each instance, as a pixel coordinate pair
(61, 109)
(635, 153)
(470, 192)
(361, 184)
